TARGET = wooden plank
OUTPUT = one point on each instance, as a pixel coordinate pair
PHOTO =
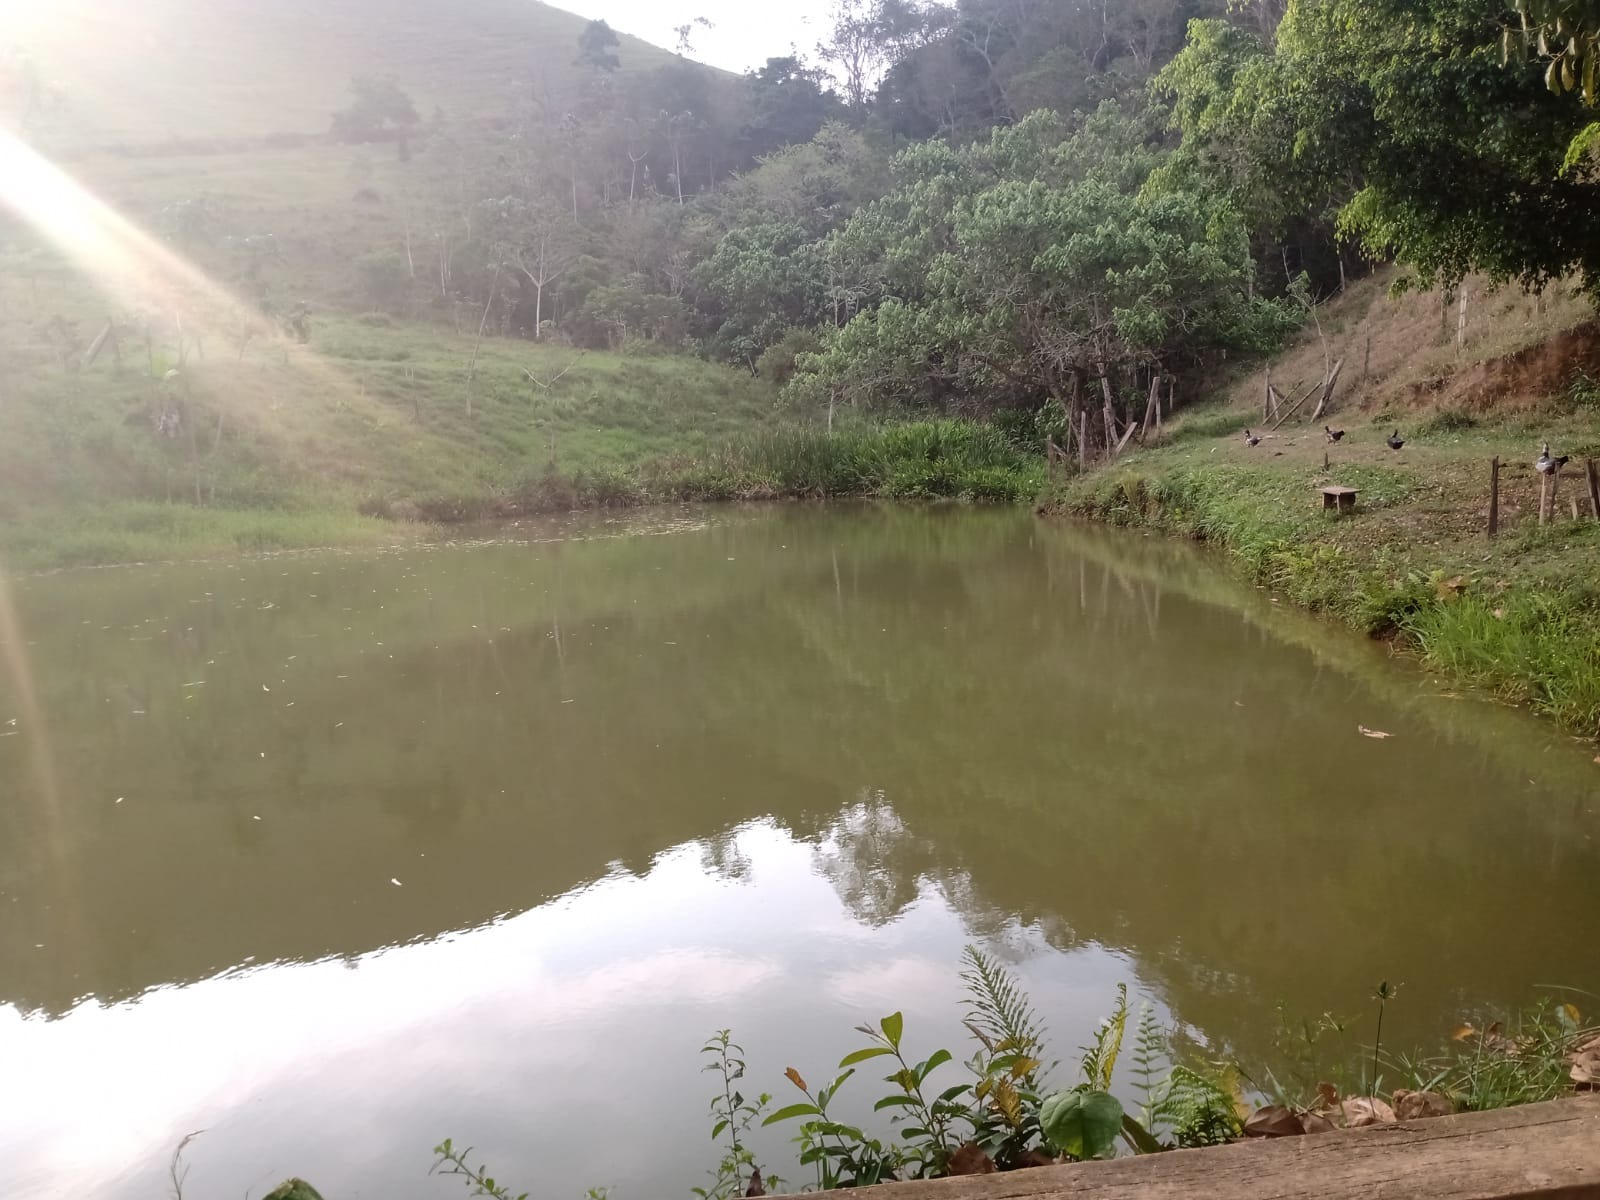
(1535, 1152)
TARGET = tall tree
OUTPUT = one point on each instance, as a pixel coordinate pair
(534, 239)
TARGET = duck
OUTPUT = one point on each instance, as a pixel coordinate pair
(1546, 465)
(1395, 440)
(1251, 439)
(1333, 434)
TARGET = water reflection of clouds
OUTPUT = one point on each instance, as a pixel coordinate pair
(106, 1086)
(513, 1034)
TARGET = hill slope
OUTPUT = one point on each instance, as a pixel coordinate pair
(134, 75)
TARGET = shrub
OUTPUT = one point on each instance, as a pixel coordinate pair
(777, 361)
(385, 281)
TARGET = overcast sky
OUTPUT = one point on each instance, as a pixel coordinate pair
(746, 32)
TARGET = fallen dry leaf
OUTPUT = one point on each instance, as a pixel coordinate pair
(793, 1077)
(1365, 1110)
(1586, 1070)
(1373, 733)
(1311, 1122)
(1273, 1121)
(1585, 1062)
(1463, 1032)
(971, 1160)
(1413, 1106)
(1327, 1096)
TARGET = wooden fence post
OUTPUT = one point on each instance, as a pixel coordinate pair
(1549, 486)
(1594, 487)
(1494, 495)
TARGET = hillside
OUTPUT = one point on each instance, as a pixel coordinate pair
(287, 446)
(136, 76)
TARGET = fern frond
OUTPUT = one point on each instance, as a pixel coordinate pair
(1150, 1055)
(1100, 1059)
(999, 1011)
(1200, 1111)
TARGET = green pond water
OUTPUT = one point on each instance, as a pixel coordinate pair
(333, 856)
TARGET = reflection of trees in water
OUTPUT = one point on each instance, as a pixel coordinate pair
(872, 860)
(879, 867)
(721, 856)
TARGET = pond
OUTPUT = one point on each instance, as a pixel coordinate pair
(333, 856)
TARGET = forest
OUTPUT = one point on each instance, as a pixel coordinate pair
(1023, 207)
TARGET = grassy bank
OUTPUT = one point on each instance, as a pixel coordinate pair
(1518, 616)
(378, 430)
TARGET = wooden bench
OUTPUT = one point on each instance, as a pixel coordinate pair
(1341, 498)
(1539, 1150)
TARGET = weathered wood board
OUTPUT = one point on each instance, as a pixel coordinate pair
(1535, 1152)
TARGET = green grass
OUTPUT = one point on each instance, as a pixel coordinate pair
(923, 460)
(376, 421)
(1518, 616)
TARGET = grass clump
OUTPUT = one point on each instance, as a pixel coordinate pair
(919, 460)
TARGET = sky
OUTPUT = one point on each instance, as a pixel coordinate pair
(743, 34)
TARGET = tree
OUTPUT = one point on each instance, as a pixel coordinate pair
(788, 103)
(867, 36)
(1374, 109)
(1033, 265)
(762, 279)
(536, 240)
(597, 47)
(816, 184)
(381, 111)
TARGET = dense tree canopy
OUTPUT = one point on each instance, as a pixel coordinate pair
(1408, 122)
(1022, 268)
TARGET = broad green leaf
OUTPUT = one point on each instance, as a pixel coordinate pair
(951, 1093)
(792, 1111)
(893, 1025)
(864, 1054)
(936, 1060)
(1081, 1124)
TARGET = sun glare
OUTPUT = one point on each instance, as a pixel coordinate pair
(126, 263)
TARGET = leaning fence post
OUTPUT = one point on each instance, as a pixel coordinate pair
(1494, 495)
(1594, 487)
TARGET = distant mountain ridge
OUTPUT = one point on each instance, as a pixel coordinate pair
(162, 71)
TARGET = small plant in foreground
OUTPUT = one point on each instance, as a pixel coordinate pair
(1383, 993)
(732, 1114)
(448, 1160)
(843, 1155)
